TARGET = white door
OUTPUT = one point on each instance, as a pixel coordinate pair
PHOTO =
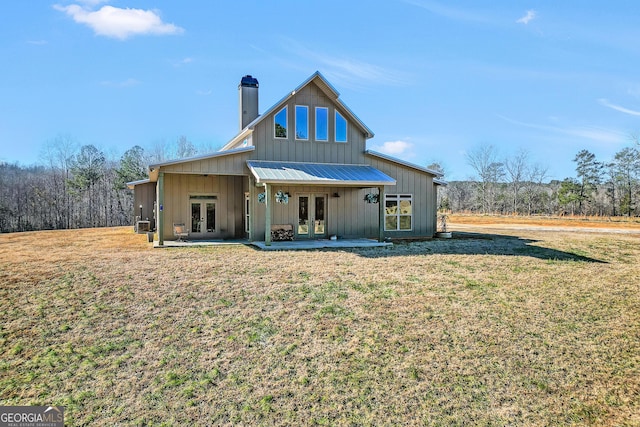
(312, 215)
(203, 217)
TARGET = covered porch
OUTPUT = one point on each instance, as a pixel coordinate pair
(316, 203)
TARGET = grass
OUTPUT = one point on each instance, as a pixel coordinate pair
(494, 327)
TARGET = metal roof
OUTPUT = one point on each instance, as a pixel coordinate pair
(404, 163)
(270, 172)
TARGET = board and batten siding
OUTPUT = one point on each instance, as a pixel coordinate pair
(145, 196)
(229, 192)
(420, 185)
(233, 164)
(347, 215)
(291, 149)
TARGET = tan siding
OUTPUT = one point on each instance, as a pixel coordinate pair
(234, 164)
(145, 195)
(227, 189)
(290, 149)
(420, 186)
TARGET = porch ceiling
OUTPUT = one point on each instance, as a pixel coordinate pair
(269, 172)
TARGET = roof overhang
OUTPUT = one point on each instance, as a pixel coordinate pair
(154, 169)
(132, 184)
(437, 175)
(326, 174)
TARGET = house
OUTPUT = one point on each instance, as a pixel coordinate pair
(302, 167)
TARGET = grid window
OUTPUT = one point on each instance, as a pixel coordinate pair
(398, 212)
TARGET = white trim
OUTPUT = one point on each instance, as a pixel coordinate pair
(286, 124)
(202, 157)
(247, 211)
(398, 214)
(204, 199)
(335, 127)
(404, 163)
(132, 184)
(306, 107)
(316, 124)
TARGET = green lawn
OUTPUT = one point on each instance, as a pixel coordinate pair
(508, 328)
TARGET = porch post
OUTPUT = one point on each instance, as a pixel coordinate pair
(267, 215)
(381, 213)
(161, 208)
(252, 198)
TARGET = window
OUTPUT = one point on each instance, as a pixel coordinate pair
(322, 124)
(341, 128)
(280, 124)
(302, 122)
(398, 212)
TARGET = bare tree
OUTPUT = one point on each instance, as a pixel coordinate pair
(516, 169)
(58, 155)
(185, 148)
(533, 188)
(490, 171)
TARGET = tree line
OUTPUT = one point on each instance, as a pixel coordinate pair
(516, 185)
(78, 186)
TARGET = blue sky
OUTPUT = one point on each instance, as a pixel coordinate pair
(433, 80)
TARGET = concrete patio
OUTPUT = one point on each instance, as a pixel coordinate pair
(279, 246)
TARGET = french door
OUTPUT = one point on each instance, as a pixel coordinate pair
(203, 216)
(312, 215)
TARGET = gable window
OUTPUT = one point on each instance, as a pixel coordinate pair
(322, 124)
(280, 124)
(341, 128)
(398, 212)
(302, 122)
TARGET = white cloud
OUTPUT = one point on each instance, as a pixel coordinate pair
(344, 70)
(594, 133)
(457, 14)
(607, 104)
(530, 16)
(119, 23)
(182, 62)
(394, 148)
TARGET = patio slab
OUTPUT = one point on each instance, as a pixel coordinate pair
(320, 244)
(279, 246)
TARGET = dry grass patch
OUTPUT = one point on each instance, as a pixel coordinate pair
(516, 328)
(549, 221)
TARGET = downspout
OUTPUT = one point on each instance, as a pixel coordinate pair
(161, 209)
(381, 213)
(267, 215)
(252, 198)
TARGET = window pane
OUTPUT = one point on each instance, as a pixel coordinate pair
(195, 217)
(390, 222)
(391, 207)
(302, 122)
(341, 128)
(280, 124)
(322, 124)
(405, 222)
(405, 207)
(211, 217)
(303, 215)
